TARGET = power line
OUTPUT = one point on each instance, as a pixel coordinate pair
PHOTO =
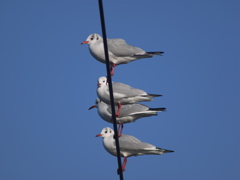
(110, 88)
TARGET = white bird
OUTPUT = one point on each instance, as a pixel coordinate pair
(122, 93)
(119, 51)
(129, 112)
(129, 146)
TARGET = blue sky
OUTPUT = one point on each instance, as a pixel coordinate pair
(48, 82)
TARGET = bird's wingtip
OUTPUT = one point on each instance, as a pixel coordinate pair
(165, 150)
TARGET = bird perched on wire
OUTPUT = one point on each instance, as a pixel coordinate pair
(122, 93)
(119, 51)
(129, 146)
(129, 112)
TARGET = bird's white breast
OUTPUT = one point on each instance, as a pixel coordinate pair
(103, 94)
(103, 112)
(109, 145)
(97, 52)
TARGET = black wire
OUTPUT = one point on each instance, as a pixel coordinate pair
(110, 88)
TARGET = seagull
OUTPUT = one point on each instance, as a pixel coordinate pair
(129, 112)
(119, 51)
(129, 146)
(122, 93)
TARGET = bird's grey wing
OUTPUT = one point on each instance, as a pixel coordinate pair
(109, 109)
(119, 47)
(132, 108)
(130, 143)
(126, 89)
(129, 109)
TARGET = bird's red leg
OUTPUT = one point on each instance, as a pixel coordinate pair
(120, 128)
(123, 165)
(112, 69)
(119, 107)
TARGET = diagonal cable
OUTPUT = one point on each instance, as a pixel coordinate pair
(110, 87)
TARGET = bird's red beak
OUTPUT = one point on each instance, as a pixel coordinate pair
(84, 42)
(98, 135)
(99, 84)
(92, 107)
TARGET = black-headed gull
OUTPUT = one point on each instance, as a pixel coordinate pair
(129, 112)
(119, 51)
(122, 93)
(129, 146)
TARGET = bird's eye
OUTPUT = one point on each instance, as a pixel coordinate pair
(106, 132)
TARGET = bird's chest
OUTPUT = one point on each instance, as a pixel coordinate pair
(109, 145)
(97, 52)
(103, 94)
(104, 113)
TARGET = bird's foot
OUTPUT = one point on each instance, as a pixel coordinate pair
(119, 171)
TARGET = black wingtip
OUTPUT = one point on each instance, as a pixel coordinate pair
(155, 53)
(165, 150)
(168, 151)
(157, 109)
(155, 95)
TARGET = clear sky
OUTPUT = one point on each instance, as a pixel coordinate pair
(48, 82)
